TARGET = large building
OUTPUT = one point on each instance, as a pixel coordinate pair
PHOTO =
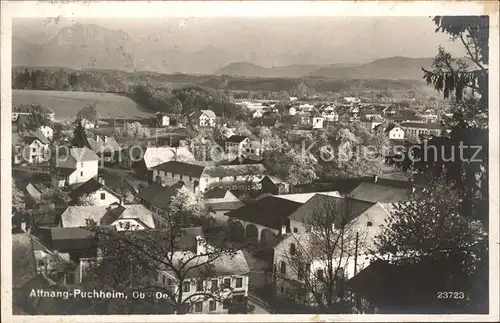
(78, 165)
(203, 118)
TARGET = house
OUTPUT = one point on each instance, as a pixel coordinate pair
(421, 129)
(157, 199)
(30, 147)
(106, 147)
(77, 165)
(317, 121)
(47, 131)
(203, 118)
(293, 98)
(228, 277)
(219, 201)
(383, 190)
(97, 191)
(89, 124)
(398, 118)
(236, 144)
(266, 219)
(392, 131)
(200, 178)
(120, 217)
(258, 114)
(33, 194)
(370, 124)
(144, 159)
(292, 111)
(364, 218)
(162, 120)
(306, 107)
(329, 113)
(274, 185)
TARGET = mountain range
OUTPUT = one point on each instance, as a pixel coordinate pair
(93, 46)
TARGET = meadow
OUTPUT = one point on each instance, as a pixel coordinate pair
(67, 104)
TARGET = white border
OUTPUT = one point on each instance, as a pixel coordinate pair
(139, 9)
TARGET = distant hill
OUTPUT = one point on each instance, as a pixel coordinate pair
(386, 68)
(86, 45)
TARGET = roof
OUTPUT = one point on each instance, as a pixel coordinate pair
(34, 190)
(235, 170)
(421, 125)
(199, 113)
(99, 146)
(183, 168)
(330, 203)
(23, 260)
(30, 136)
(154, 156)
(63, 172)
(76, 216)
(304, 197)
(274, 179)
(378, 192)
(76, 155)
(188, 239)
(269, 211)
(71, 239)
(215, 193)
(90, 186)
(159, 195)
(225, 206)
(236, 138)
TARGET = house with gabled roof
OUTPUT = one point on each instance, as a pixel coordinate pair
(30, 147)
(203, 118)
(236, 144)
(73, 166)
(96, 190)
(157, 198)
(106, 147)
(384, 190)
(219, 201)
(391, 130)
(199, 177)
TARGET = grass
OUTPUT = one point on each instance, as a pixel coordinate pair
(67, 104)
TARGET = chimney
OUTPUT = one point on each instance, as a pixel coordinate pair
(375, 178)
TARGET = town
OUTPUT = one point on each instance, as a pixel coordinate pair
(248, 201)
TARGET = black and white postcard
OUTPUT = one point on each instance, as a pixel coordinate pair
(249, 161)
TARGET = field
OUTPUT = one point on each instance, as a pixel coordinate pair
(67, 104)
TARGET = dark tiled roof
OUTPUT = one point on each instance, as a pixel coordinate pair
(88, 187)
(63, 172)
(71, 239)
(188, 239)
(225, 206)
(30, 136)
(215, 193)
(269, 211)
(159, 195)
(181, 168)
(236, 138)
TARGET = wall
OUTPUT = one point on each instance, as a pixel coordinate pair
(127, 224)
(108, 200)
(170, 180)
(89, 169)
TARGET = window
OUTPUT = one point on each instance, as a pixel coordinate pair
(220, 178)
(369, 223)
(199, 285)
(190, 178)
(81, 173)
(283, 268)
(198, 307)
(212, 305)
(186, 287)
(40, 263)
(214, 284)
(225, 304)
(239, 282)
(319, 274)
(81, 164)
(295, 230)
(170, 282)
(103, 196)
(227, 282)
(292, 249)
(206, 180)
(34, 150)
(235, 178)
(181, 176)
(173, 175)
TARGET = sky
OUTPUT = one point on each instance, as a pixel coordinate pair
(271, 41)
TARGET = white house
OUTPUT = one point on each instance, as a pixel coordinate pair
(292, 111)
(203, 118)
(77, 165)
(392, 131)
(97, 191)
(228, 279)
(121, 217)
(47, 131)
(30, 147)
(236, 144)
(418, 129)
(162, 120)
(318, 122)
(200, 178)
(367, 219)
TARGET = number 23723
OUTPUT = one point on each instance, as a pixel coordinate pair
(450, 295)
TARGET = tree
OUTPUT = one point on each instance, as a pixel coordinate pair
(132, 261)
(89, 112)
(323, 252)
(79, 139)
(293, 166)
(301, 90)
(18, 198)
(37, 117)
(86, 200)
(430, 229)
